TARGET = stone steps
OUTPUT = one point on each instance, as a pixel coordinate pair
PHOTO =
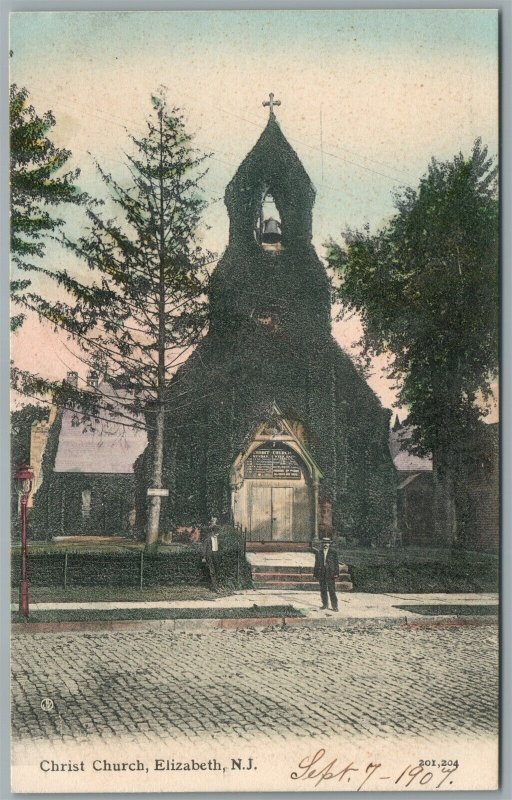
(341, 586)
(291, 577)
(295, 578)
(268, 569)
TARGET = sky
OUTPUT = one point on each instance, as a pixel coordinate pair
(367, 98)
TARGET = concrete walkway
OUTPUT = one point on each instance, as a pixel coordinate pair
(352, 605)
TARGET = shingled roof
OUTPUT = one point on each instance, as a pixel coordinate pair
(402, 459)
(106, 447)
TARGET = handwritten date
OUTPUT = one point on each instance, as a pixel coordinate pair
(321, 768)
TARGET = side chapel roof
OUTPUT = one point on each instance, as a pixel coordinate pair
(106, 447)
(402, 459)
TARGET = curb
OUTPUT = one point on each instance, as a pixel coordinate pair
(177, 625)
(239, 623)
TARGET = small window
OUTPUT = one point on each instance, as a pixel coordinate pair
(86, 504)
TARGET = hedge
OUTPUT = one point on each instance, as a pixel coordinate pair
(456, 576)
(130, 569)
(175, 567)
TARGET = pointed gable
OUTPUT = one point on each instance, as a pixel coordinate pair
(272, 165)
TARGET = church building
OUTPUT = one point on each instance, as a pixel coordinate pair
(270, 426)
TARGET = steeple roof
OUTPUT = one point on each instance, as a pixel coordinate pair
(272, 160)
(272, 168)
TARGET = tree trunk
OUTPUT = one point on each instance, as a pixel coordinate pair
(444, 501)
(154, 503)
(153, 528)
(452, 508)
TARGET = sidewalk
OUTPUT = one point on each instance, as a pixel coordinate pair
(353, 607)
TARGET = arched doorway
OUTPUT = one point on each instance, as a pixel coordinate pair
(275, 489)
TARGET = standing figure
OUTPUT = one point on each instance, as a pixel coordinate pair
(326, 571)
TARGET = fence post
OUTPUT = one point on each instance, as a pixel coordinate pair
(65, 570)
(141, 576)
(62, 510)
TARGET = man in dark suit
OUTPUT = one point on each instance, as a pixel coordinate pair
(327, 569)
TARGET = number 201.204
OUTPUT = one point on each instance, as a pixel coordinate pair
(443, 762)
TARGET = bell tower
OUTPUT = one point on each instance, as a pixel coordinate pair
(270, 268)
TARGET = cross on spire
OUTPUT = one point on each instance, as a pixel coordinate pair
(271, 103)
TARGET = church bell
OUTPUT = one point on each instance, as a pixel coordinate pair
(271, 231)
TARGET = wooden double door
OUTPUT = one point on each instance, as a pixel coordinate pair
(278, 513)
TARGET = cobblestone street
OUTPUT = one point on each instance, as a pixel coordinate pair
(365, 680)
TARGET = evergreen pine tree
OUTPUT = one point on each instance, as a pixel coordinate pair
(38, 183)
(144, 306)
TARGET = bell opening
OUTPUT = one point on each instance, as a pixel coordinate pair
(268, 228)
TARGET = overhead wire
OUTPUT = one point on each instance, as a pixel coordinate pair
(108, 116)
(324, 152)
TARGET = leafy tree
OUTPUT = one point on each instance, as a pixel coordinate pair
(426, 288)
(144, 305)
(37, 183)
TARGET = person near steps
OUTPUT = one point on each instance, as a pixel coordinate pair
(326, 571)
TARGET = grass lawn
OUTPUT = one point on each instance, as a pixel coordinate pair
(112, 594)
(453, 610)
(118, 614)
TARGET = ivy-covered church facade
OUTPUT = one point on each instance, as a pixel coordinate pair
(269, 424)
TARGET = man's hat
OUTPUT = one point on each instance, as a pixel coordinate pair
(326, 539)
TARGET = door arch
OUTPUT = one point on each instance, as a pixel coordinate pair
(274, 496)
